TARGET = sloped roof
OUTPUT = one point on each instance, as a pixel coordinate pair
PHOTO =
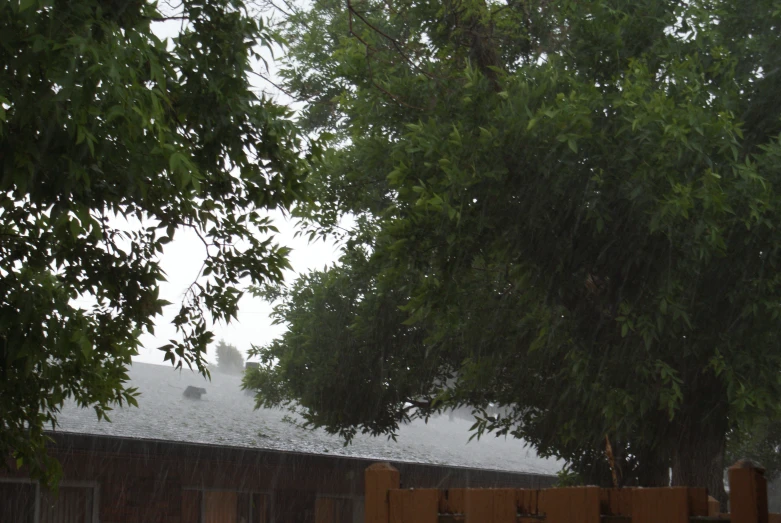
(226, 416)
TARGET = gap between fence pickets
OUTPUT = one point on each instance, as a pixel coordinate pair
(386, 502)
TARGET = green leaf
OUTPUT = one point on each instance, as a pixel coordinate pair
(175, 161)
(75, 228)
(86, 346)
(26, 4)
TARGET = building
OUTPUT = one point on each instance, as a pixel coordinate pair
(217, 460)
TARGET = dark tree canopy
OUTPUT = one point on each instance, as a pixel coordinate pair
(565, 208)
(229, 359)
(112, 141)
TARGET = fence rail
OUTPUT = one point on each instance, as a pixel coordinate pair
(387, 503)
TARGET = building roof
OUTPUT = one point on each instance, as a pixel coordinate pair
(226, 416)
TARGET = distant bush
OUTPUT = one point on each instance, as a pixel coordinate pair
(229, 359)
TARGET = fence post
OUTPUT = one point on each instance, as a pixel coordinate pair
(747, 493)
(379, 479)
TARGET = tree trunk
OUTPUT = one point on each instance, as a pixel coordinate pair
(654, 469)
(698, 456)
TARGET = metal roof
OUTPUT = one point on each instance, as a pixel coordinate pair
(226, 416)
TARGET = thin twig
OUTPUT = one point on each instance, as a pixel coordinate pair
(167, 18)
(386, 36)
(291, 95)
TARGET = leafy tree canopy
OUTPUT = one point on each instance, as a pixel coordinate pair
(565, 208)
(229, 359)
(111, 141)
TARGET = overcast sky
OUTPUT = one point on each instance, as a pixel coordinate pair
(183, 257)
(181, 261)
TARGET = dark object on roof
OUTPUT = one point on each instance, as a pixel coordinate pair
(194, 392)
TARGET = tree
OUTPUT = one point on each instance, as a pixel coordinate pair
(111, 141)
(565, 208)
(229, 359)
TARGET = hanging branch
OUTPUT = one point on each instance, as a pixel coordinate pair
(369, 49)
(380, 32)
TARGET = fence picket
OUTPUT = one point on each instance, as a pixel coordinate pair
(714, 509)
(324, 510)
(480, 505)
(451, 501)
(505, 508)
(526, 500)
(414, 506)
(379, 479)
(570, 505)
(615, 501)
(698, 501)
(652, 505)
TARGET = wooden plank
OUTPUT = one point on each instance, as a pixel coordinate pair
(570, 505)
(747, 493)
(774, 518)
(652, 505)
(451, 501)
(615, 501)
(480, 505)
(483, 505)
(414, 506)
(324, 510)
(260, 506)
(220, 506)
(698, 501)
(191, 506)
(714, 509)
(527, 500)
(379, 479)
(505, 509)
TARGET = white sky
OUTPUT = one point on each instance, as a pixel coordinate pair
(183, 258)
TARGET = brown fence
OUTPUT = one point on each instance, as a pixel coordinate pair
(387, 503)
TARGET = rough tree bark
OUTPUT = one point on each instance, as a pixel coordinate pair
(654, 470)
(700, 442)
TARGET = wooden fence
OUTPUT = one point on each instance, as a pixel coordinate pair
(387, 503)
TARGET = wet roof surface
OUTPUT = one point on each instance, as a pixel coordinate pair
(226, 416)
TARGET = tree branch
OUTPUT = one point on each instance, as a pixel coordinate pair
(379, 31)
(167, 18)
